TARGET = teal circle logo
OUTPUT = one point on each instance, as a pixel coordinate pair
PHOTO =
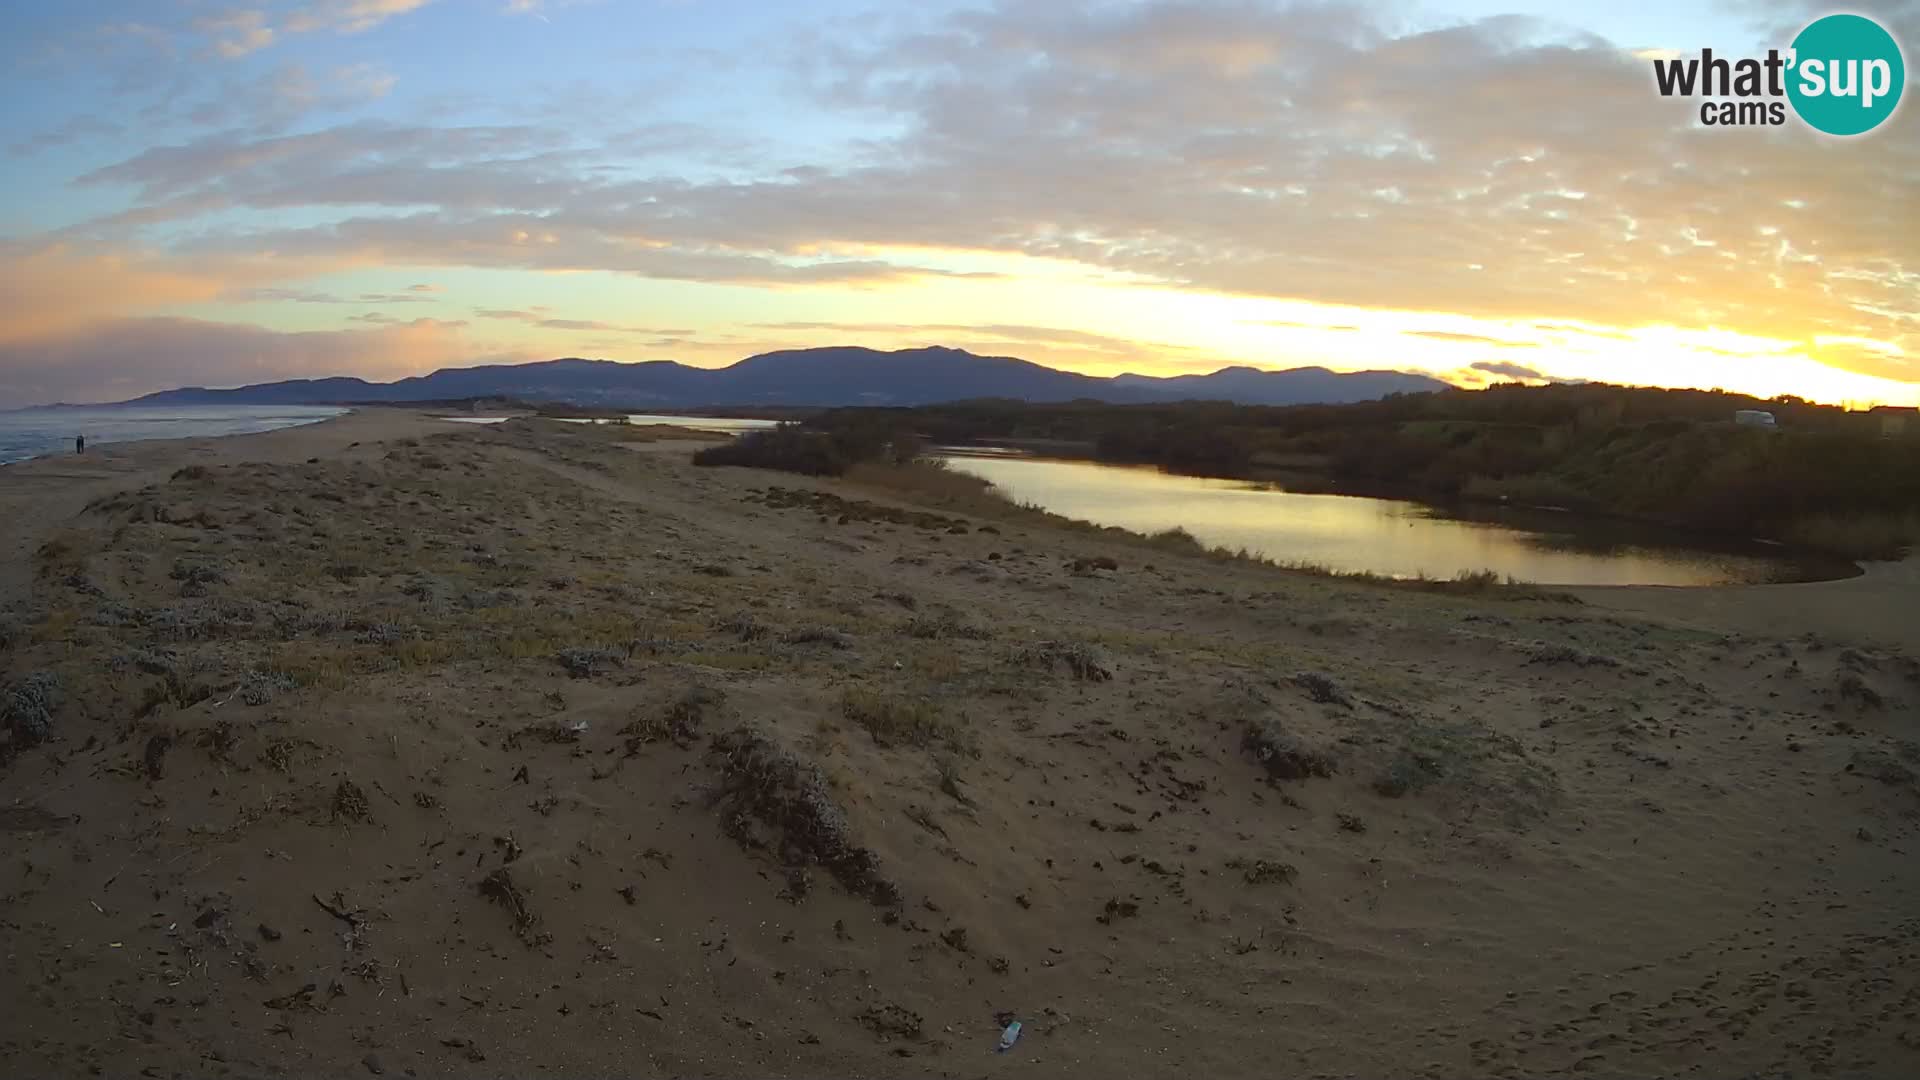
(1847, 74)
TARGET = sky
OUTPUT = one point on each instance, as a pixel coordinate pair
(211, 193)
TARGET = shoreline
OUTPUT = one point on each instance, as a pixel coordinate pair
(1875, 606)
(166, 414)
(1307, 482)
(40, 492)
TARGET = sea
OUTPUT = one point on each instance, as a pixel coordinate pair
(31, 433)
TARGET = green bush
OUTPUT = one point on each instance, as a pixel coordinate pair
(818, 452)
(787, 448)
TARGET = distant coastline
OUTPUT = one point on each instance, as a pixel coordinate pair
(40, 431)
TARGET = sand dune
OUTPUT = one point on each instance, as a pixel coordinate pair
(385, 746)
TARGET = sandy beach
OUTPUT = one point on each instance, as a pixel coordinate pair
(393, 746)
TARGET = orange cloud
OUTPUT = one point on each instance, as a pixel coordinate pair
(51, 289)
(349, 16)
(116, 359)
(238, 33)
(55, 288)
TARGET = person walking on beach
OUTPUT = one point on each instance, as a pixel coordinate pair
(79, 444)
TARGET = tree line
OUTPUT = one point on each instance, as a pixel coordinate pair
(1824, 478)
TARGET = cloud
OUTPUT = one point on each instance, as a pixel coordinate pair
(464, 172)
(1291, 324)
(1512, 371)
(1005, 331)
(57, 288)
(296, 90)
(538, 8)
(1495, 168)
(1777, 21)
(45, 289)
(1503, 168)
(1469, 339)
(308, 296)
(122, 358)
(292, 296)
(75, 129)
(237, 33)
(348, 16)
(537, 317)
(167, 92)
(1581, 329)
(143, 34)
(557, 242)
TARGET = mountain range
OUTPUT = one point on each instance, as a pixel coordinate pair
(841, 375)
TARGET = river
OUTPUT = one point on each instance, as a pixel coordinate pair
(1388, 536)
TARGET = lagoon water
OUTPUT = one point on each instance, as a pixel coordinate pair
(1386, 536)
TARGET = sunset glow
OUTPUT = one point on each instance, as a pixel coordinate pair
(208, 195)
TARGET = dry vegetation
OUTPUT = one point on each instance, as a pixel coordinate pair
(518, 748)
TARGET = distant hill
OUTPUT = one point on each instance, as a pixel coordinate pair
(840, 375)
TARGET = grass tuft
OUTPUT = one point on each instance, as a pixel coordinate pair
(897, 720)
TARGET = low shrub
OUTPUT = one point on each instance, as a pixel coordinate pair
(773, 800)
(786, 448)
(1283, 754)
(29, 705)
(1083, 661)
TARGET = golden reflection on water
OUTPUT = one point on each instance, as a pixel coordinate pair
(1345, 532)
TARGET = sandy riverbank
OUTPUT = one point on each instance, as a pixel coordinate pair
(387, 744)
(1879, 608)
